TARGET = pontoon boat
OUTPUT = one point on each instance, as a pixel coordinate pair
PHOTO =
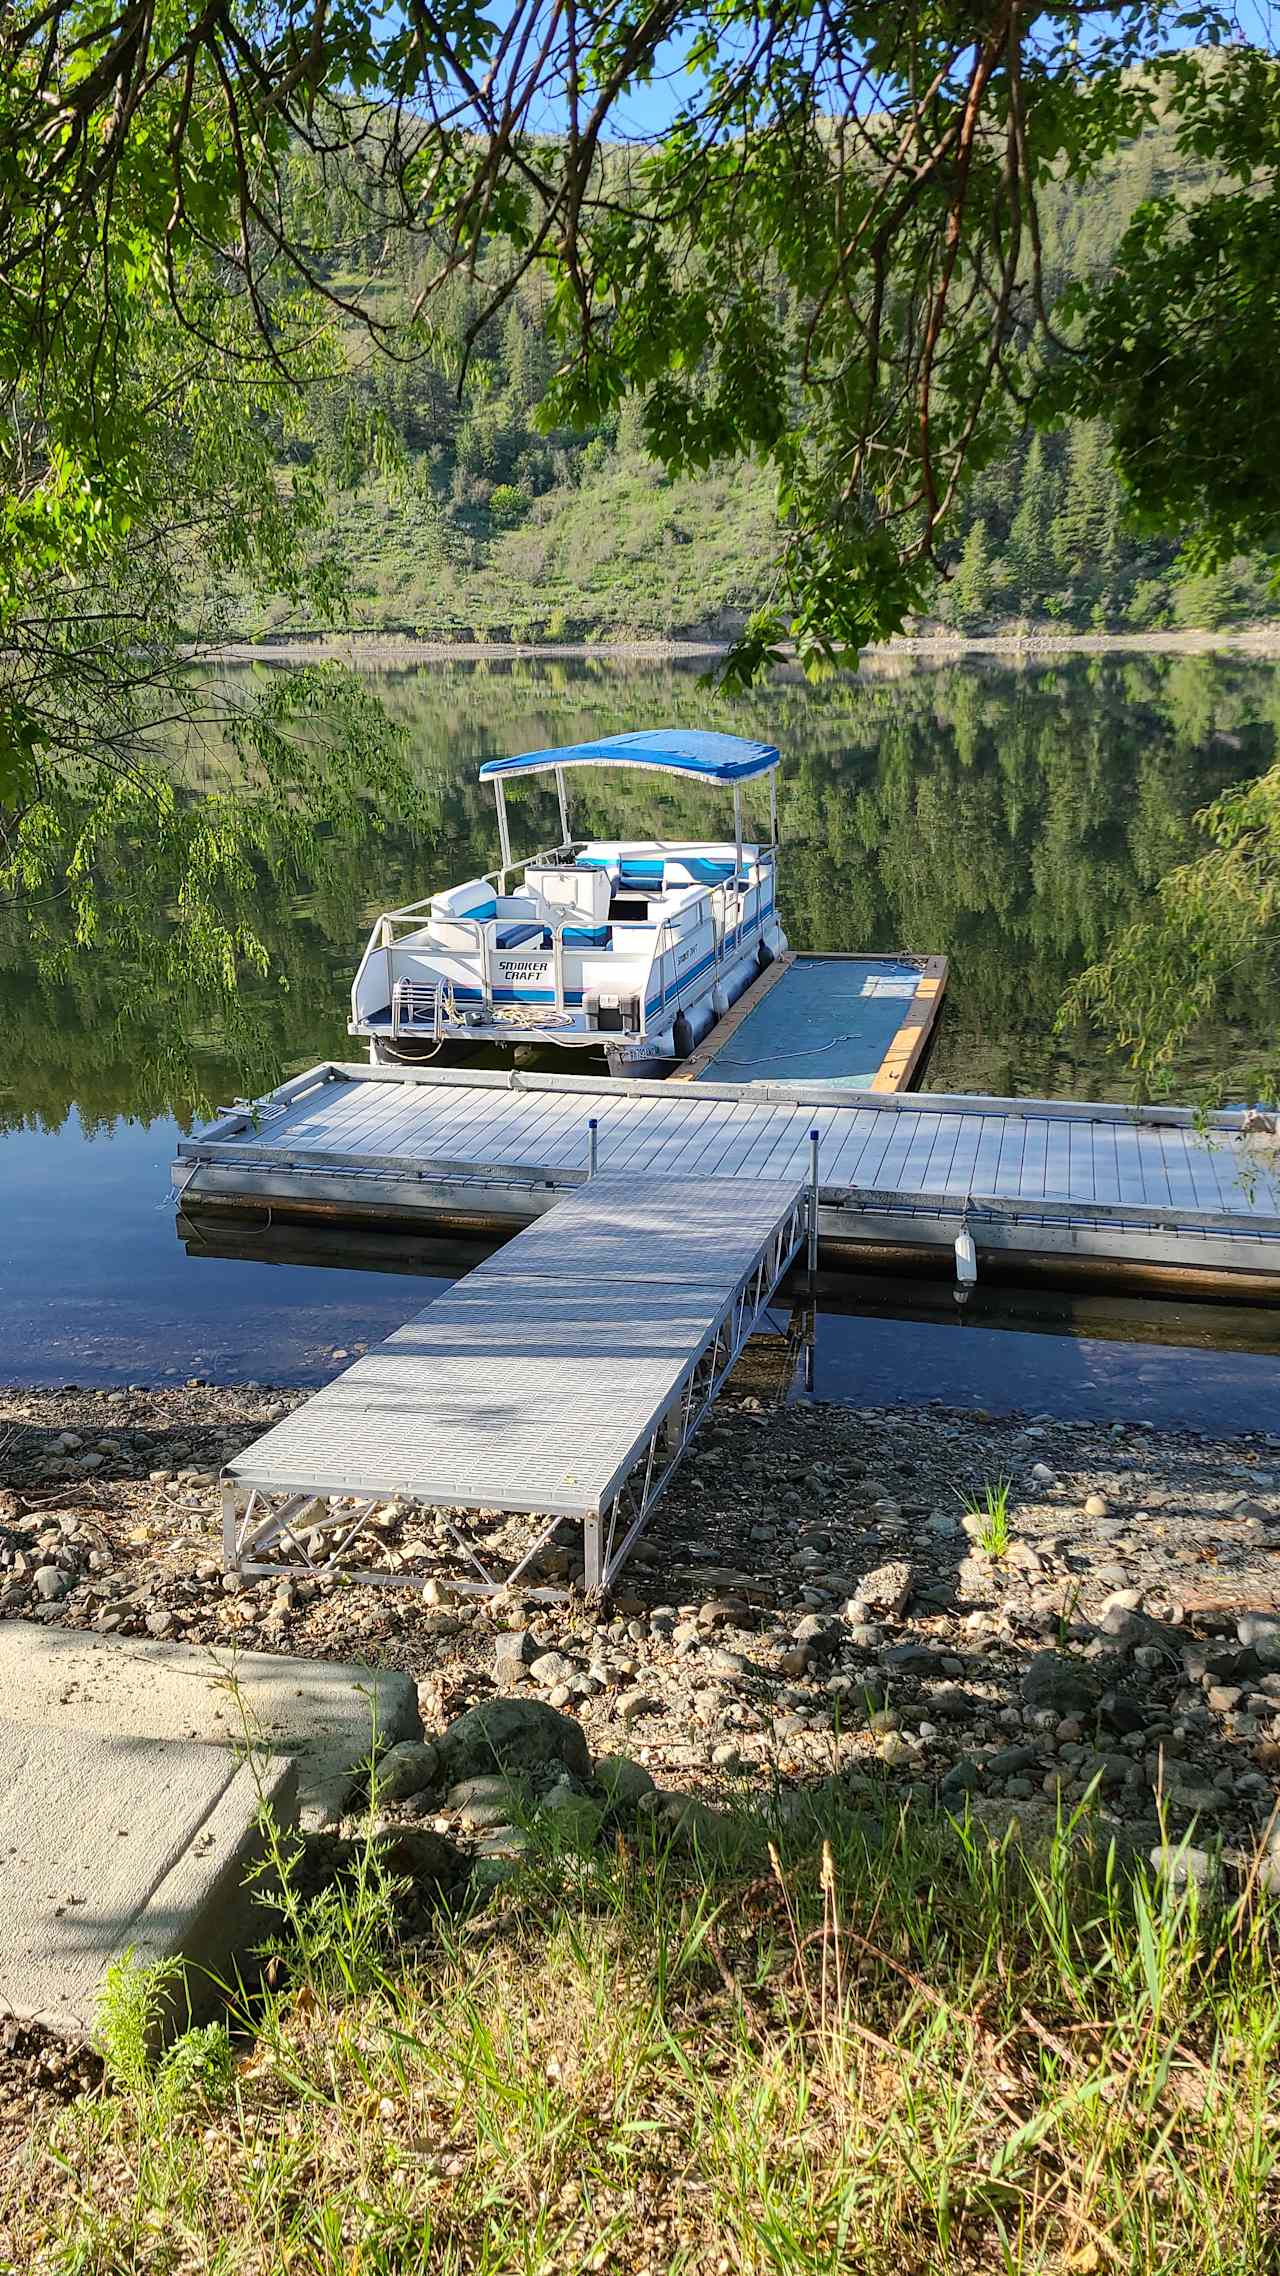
(633, 946)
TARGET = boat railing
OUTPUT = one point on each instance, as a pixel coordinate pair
(498, 877)
(719, 897)
(412, 916)
(414, 912)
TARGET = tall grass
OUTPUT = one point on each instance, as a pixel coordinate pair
(906, 2050)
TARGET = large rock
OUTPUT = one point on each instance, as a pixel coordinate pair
(914, 1659)
(512, 1648)
(886, 1590)
(483, 1803)
(819, 1632)
(406, 1769)
(511, 1734)
(552, 1668)
(1257, 1631)
(1058, 1686)
(623, 1781)
(1177, 1863)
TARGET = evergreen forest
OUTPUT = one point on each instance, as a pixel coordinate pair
(481, 523)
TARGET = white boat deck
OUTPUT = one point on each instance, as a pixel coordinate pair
(1155, 1185)
(543, 1380)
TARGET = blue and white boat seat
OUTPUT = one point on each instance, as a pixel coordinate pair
(475, 901)
(697, 869)
(640, 873)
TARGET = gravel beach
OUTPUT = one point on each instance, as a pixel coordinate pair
(812, 1609)
(812, 1600)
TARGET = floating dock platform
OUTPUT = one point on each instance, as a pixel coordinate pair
(1153, 1196)
(862, 1022)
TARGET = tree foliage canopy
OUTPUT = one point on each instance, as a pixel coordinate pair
(829, 260)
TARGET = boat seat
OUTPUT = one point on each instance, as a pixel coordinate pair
(455, 914)
(584, 936)
(700, 869)
(475, 900)
(640, 873)
(518, 936)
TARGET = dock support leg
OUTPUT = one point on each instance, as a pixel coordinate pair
(802, 1336)
(593, 1145)
(230, 1517)
(813, 1203)
(592, 1557)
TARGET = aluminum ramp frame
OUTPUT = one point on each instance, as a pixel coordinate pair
(563, 1378)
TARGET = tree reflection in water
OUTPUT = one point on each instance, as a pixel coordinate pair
(1009, 818)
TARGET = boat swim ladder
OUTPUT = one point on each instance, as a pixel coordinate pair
(418, 1005)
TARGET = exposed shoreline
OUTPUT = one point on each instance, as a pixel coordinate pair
(818, 1638)
(375, 649)
(809, 1560)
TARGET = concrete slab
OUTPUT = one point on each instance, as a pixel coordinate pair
(317, 1713)
(110, 1842)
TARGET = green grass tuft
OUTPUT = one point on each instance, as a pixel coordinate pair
(991, 1507)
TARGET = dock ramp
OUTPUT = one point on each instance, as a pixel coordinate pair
(561, 1380)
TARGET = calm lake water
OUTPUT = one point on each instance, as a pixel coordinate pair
(1011, 819)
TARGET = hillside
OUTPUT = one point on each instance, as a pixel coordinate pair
(496, 530)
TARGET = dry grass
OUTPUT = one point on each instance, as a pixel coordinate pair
(902, 2050)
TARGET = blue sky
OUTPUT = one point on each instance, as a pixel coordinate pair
(648, 109)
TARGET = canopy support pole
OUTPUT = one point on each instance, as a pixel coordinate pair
(737, 829)
(504, 841)
(564, 806)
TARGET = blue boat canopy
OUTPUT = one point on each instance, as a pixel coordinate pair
(721, 760)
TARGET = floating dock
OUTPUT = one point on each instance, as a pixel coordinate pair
(563, 1378)
(1152, 1196)
(862, 1022)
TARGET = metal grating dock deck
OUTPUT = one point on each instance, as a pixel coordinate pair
(861, 1022)
(564, 1377)
(1141, 1188)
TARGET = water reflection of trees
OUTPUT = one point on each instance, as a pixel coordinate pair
(1009, 818)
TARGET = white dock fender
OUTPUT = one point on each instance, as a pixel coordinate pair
(966, 1265)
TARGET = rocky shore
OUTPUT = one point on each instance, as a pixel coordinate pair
(814, 1602)
(934, 643)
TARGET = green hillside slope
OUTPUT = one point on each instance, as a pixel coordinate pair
(498, 531)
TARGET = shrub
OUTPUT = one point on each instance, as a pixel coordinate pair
(509, 504)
